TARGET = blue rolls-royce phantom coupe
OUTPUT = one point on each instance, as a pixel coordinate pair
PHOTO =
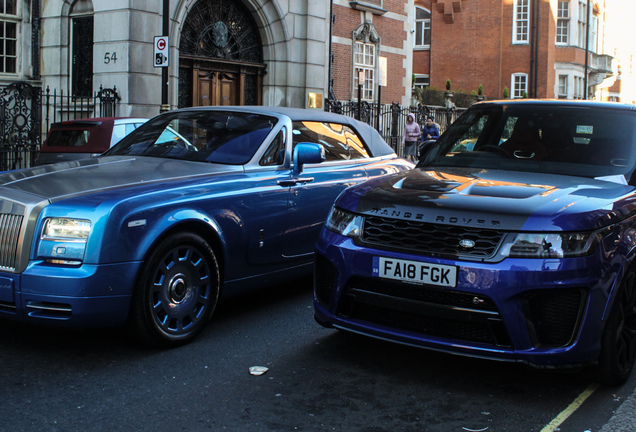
(514, 239)
(194, 204)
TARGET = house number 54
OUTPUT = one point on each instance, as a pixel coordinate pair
(110, 57)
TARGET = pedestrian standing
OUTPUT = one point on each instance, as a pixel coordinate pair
(410, 137)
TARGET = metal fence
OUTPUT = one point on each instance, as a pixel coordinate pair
(389, 119)
(27, 112)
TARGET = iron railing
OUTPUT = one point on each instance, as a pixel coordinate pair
(27, 112)
(389, 119)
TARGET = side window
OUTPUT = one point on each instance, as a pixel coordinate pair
(119, 131)
(339, 141)
(275, 154)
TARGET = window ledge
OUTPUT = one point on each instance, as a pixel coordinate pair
(374, 9)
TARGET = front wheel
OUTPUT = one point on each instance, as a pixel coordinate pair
(176, 292)
(618, 344)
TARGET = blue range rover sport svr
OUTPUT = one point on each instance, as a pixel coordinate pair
(513, 239)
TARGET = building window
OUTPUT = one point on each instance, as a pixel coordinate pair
(519, 85)
(521, 21)
(422, 28)
(563, 23)
(579, 88)
(9, 30)
(364, 61)
(421, 81)
(582, 23)
(82, 48)
(593, 32)
(563, 87)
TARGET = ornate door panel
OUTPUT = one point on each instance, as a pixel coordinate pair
(220, 55)
(228, 89)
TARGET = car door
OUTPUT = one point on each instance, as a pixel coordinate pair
(310, 201)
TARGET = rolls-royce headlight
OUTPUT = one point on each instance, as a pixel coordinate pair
(550, 245)
(344, 222)
(66, 229)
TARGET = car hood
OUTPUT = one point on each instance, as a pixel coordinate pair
(496, 199)
(66, 179)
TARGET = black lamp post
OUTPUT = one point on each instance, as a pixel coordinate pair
(164, 72)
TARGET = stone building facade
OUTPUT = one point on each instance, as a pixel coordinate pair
(264, 52)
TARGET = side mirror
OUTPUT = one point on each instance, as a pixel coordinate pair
(305, 153)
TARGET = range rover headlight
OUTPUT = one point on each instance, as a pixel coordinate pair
(344, 222)
(550, 245)
(66, 229)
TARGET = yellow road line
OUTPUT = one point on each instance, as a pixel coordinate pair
(576, 403)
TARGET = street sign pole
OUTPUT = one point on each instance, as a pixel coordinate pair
(165, 106)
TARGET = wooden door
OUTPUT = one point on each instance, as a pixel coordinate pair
(216, 88)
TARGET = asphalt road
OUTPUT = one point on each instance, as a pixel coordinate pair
(317, 380)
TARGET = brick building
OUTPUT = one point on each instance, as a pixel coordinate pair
(529, 47)
(372, 37)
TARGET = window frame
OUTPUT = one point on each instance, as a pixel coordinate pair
(15, 19)
(422, 28)
(366, 65)
(563, 86)
(521, 22)
(518, 90)
(562, 36)
(582, 23)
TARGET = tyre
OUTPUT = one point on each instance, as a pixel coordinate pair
(176, 292)
(618, 343)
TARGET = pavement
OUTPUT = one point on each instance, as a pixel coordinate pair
(624, 419)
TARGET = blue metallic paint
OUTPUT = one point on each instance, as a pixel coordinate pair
(243, 212)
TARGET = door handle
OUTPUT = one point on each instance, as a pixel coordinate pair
(295, 181)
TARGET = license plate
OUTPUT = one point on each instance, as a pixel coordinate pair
(415, 271)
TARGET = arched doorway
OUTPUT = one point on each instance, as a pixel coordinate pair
(220, 56)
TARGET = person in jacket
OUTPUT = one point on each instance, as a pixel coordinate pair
(430, 130)
(410, 137)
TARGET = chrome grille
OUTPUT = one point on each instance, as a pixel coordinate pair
(430, 239)
(9, 234)
(11, 217)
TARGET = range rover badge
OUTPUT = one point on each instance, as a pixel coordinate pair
(467, 243)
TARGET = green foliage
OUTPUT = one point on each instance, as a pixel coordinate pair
(480, 90)
(448, 85)
(506, 93)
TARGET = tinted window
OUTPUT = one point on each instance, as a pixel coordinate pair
(221, 137)
(340, 142)
(68, 138)
(582, 141)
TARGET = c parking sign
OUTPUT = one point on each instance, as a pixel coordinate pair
(161, 51)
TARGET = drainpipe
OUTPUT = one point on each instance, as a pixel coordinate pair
(587, 49)
(330, 94)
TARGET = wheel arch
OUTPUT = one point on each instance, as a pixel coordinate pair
(628, 261)
(183, 221)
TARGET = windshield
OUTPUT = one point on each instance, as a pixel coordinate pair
(211, 136)
(586, 141)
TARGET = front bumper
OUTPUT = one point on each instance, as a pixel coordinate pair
(87, 296)
(544, 312)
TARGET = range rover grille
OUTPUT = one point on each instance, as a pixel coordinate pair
(430, 239)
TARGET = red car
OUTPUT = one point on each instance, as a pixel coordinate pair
(78, 139)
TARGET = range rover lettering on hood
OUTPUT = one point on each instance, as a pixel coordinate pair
(421, 217)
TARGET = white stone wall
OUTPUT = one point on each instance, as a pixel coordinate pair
(294, 34)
